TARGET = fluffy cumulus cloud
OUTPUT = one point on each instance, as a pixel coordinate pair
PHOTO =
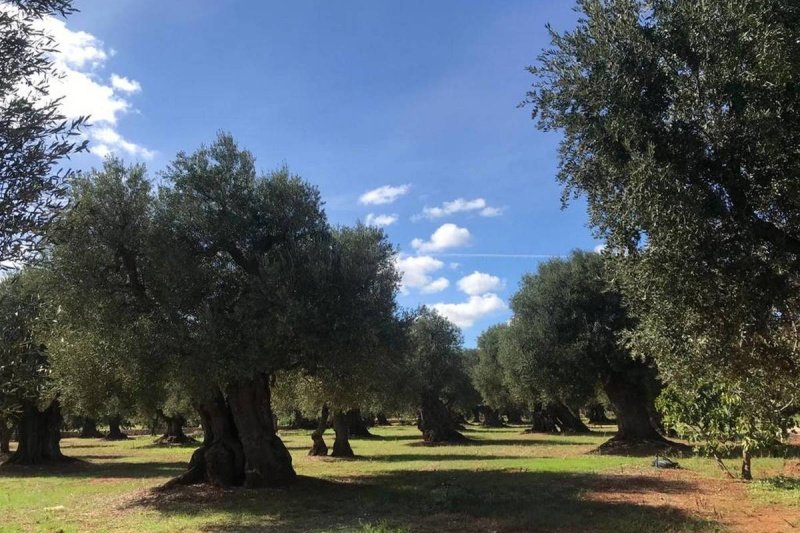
(381, 220)
(465, 314)
(479, 283)
(417, 273)
(460, 205)
(85, 91)
(383, 195)
(445, 237)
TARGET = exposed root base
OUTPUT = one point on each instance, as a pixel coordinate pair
(643, 447)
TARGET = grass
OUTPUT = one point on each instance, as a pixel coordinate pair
(503, 481)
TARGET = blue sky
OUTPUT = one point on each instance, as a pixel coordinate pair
(420, 97)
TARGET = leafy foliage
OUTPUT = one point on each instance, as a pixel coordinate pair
(34, 135)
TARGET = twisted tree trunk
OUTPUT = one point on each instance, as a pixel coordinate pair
(240, 445)
(341, 446)
(89, 429)
(435, 422)
(319, 448)
(633, 406)
(5, 436)
(114, 431)
(356, 424)
(39, 435)
(566, 420)
(490, 418)
(174, 432)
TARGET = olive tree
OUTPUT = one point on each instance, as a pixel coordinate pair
(566, 337)
(687, 157)
(34, 134)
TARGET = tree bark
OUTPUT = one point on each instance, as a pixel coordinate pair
(39, 435)
(5, 436)
(174, 432)
(381, 420)
(435, 422)
(513, 416)
(490, 418)
(565, 420)
(319, 448)
(341, 446)
(240, 445)
(541, 420)
(114, 431)
(633, 406)
(356, 424)
(747, 473)
(89, 429)
(596, 413)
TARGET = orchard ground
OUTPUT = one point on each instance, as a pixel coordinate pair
(503, 481)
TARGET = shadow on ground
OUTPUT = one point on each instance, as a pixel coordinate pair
(438, 501)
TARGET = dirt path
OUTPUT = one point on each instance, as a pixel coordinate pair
(719, 500)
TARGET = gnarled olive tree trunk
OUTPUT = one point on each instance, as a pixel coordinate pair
(436, 423)
(89, 429)
(596, 413)
(513, 416)
(5, 435)
(114, 431)
(357, 424)
(240, 445)
(174, 431)
(566, 420)
(633, 406)
(319, 448)
(490, 417)
(39, 435)
(341, 446)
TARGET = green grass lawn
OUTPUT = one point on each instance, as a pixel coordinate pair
(503, 481)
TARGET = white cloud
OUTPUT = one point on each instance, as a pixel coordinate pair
(416, 272)
(446, 236)
(600, 248)
(437, 285)
(383, 195)
(84, 91)
(460, 205)
(465, 314)
(381, 220)
(479, 283)
(455, 265)
(121, 83)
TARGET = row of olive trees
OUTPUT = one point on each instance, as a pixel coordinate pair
(210, 289)
(561, 346)
(680, 125)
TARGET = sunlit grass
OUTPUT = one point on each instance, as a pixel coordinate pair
(502, 480)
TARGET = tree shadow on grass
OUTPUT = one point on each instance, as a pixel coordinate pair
(503, 442)
(440, 501)
(78, 468)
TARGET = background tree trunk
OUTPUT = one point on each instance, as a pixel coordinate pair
(356, 424)
(596, 413)
(5, 435)
(541, 420)
(490, 418)
(240, 446)
(341, 446)
(435, 422)
(39, 435)
(89, 429)
(633, 406)
(747, 473)
(174, 432)
(514, 416)
(566, 420)
(319, 448)
(381, 420)
(114, 431)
